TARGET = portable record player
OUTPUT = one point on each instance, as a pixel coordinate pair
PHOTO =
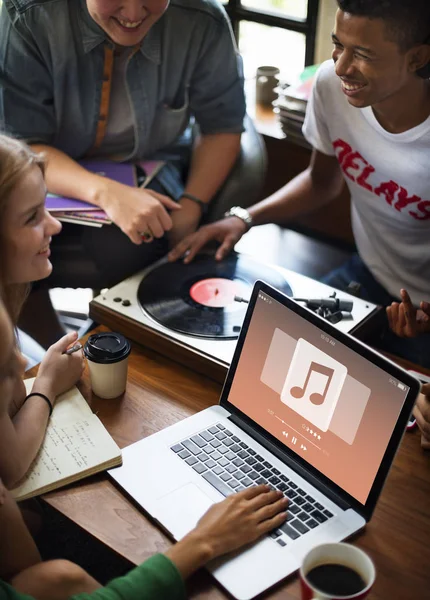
(193, 313)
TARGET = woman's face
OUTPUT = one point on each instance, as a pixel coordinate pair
(27, 230)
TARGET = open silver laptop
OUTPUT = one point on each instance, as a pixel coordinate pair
(304, 407)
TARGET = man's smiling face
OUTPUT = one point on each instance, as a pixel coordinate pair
(372, 68)
(126, 21)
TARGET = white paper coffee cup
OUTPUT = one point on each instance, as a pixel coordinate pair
(107, 356)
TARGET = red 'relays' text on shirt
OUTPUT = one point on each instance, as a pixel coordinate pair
(357, 169)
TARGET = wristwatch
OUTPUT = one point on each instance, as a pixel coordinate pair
(241, 213)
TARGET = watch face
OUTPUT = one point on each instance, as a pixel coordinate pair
(241, 213)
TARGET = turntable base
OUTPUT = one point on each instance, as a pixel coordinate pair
(119, 309)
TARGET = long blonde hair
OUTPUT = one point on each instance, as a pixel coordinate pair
(16, 158)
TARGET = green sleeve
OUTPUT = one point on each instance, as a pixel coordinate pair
(155, 579)
(7, 592)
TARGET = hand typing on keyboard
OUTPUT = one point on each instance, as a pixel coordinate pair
(230, 466)
(238, 520)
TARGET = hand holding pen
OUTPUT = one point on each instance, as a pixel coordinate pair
(62, 365)
(74, 348)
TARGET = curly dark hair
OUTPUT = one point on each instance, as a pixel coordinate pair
(407, 21)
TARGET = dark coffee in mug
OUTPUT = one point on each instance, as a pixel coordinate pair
(336, 580)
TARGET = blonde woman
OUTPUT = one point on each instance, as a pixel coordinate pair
(26, 229)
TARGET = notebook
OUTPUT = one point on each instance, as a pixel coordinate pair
(76, 445)
(306, 409)
(77, 211)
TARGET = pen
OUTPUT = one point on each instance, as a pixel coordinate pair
(74, 348)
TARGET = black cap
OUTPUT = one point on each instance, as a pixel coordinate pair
(107, 347)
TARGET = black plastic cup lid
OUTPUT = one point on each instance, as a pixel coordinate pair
(107, 347)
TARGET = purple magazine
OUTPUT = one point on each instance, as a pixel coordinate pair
(121, 172)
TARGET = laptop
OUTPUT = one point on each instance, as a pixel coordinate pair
(305, 408)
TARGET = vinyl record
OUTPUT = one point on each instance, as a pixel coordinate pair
(198, 299)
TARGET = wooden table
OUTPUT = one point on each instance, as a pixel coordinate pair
(159, 393)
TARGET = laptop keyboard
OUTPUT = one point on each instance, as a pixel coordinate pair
(230, 465)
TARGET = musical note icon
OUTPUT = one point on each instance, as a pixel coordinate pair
(313, 385)
(315, 398)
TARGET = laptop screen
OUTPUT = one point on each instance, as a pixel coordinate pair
(319, 397)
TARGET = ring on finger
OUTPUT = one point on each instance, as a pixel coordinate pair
(146, 236)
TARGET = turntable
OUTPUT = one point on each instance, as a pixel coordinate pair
(193, 313)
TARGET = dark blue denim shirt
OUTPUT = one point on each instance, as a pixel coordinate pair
(51, 75)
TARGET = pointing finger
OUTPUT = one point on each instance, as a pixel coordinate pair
(195, 246)
(409, 310)
(225, 248)
(179, 250)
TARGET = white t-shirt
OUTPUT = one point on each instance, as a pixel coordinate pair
(388, 176)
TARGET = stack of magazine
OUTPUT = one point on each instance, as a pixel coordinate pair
(71, 210)
(291, 105)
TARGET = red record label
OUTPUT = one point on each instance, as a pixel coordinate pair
(216, 292)
(197, 299)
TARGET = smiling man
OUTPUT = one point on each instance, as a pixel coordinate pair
(123, 79)
(369, 124)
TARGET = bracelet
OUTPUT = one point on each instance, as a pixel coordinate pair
(203, 205)
(47, 400)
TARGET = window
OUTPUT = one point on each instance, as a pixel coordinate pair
(278, 33)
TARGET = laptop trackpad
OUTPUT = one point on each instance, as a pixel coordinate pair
(179, 511)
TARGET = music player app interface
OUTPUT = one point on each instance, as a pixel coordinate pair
(317, 396)
(313, 384)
